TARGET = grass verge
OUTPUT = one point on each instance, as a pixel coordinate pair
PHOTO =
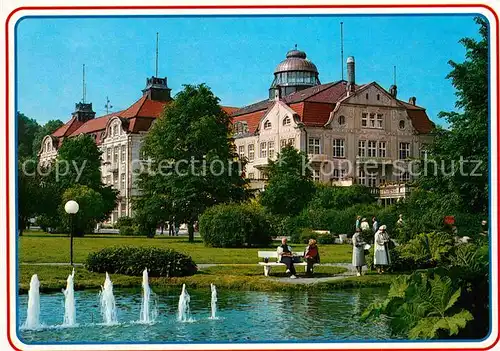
(240, 277)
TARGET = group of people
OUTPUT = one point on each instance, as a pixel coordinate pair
(381, 256)
(285, 255)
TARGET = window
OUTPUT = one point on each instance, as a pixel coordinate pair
(108, 154)
(241, 151)
(314, 146)
(366, 96)
(364, 119)
(378, 97)
(122, 186)
(404, 177)
(402, 124)
(423, 151)
(251, 152)
(287, 121)
(283, 143)
(123, 208)
(240, 127)
(115, 130)
(270, 148)
(372, 120)
(291, 142)
(267, 124)
(123, 153)
(341, 120)
(251, 175)
(362, 148)
(115, 180)
(316, 177)
(372, 148)
(108, 180)
(361, 177)
(404, 150)
(382, 149)
(372, 180)
(263, 150)
(115, 154)
(380, 120)
(339, 174)
(338, 148)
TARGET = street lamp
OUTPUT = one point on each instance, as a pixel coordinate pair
(71, 207)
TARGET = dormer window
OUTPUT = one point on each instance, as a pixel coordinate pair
(240, 127)
(287, 121)
(267, 124)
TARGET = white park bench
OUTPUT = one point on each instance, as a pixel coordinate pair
(273, 257)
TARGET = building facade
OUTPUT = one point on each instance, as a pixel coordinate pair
(351, 133)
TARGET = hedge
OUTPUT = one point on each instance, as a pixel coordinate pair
(133, 260)
(235, 225)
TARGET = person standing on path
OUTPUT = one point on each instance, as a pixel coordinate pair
(381, 257)
(374, 224)
(358, 251)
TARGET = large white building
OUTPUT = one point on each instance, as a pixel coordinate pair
(353, 133)
(340, 125)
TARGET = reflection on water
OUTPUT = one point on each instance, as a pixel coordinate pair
(242, 317)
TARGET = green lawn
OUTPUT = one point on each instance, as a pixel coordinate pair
(241, 277)
(38, 247)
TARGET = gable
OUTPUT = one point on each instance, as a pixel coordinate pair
(372, 94)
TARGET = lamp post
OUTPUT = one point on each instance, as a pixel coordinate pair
(71, 207)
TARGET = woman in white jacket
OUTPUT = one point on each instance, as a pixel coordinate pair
(381, 257)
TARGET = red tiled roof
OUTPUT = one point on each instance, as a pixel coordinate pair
(68, 128)
(313, 114)
(420, 121)
(252, 119)
(329, 93)
(94, 125)
(258, 106)
(139, 124)
(229, 109)
(144, 107)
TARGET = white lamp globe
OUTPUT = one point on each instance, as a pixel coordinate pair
(71, 207)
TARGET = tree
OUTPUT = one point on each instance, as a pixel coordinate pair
(27, 128)
(79, 161)
(91, 209)
(193, 161)
(290, 186)
(467, 137)
(47, 129)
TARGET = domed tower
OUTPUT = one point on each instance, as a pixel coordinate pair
(295, 73)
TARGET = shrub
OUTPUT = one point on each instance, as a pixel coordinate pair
(127, 230)
(305, 235)
(284, 226)
(124, 221)
(326, 238)
(235, 225)
(335, 197)
(133, 260)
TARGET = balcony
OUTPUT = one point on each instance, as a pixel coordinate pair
(317, 158)
(394, 191)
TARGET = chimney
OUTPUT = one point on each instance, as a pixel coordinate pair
(351, 80)
(413, 100)
(393, 90)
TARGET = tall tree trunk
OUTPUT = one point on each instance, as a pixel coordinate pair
(191, 231)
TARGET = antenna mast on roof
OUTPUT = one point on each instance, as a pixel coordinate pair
(108, 105)
(156, 71)
(394, 75)
(342, 49)
(83, 85)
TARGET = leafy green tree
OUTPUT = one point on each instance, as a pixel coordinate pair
(192, 159)
(47, 129)
(91, 208)
(467, 137)
(290, 186)
(27, 128)
(340, 197)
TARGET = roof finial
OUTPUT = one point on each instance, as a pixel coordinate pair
(108, 105)
(394, 75)
(83, 85)
(342, 50)
(295, 46)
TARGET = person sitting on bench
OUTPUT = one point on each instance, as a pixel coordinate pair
(311, 255)
(285, 256)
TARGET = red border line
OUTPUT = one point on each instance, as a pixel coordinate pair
(222, 7)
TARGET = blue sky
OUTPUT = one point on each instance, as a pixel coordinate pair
(235, 56)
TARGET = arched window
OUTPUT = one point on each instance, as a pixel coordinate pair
(287, 121)
(341, 120)
(267, 124)
(402, 124)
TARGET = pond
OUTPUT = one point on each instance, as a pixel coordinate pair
(242, 316)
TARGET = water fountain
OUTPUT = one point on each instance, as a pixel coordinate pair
(69, 301)
(33, 315)
(213, 302)
(148, 314)
(184, 314)
(108, 306)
